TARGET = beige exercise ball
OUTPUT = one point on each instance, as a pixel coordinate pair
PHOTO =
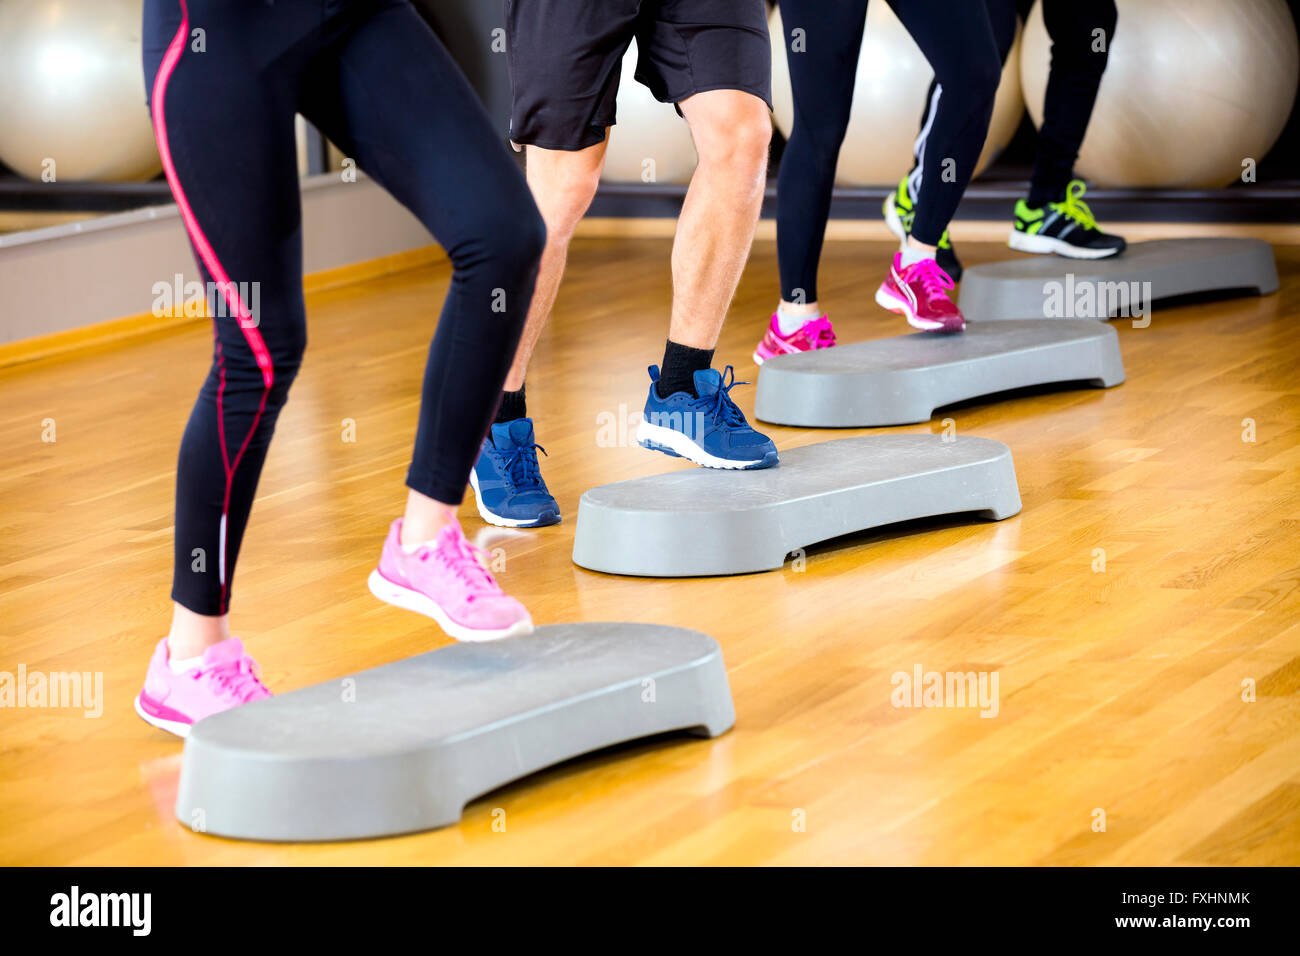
(650, 143)
(888, 97)
(72, 100)
(1193, 89)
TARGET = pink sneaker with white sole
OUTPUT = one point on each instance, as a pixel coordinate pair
(226, 677)
(920, 292)
(814, 334)
(446, 580)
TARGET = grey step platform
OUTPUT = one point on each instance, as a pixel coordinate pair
(425, 735)
(902, 380)
(704, 521)
(1014, 289)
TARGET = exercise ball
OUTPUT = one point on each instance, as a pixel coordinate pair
(73, 91)
(1193, 88)
(650, 143)
(888, 97)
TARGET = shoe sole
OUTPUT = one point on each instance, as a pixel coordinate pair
(892, 219)
(887, 300)
(678, 445)
(501, 522)
(1045, 245)
(171, 726)
(759, 358)
(410, 600)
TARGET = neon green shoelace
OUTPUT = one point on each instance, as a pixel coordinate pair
(1074, 207)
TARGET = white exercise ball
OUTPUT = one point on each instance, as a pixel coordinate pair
(888, 97)
(650, 143)
(1193, 89)
(72, 99)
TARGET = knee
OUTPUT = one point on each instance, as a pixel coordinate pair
(286, 356)
(970, 79)
(737, 140)
(522, 242)
(248, 366)
(822, 133)
(507, 241)
(565, 205)
(564, 184)
(279, 355)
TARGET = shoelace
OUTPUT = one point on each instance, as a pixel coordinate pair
(719, 405)
(462, 559)
(1074, 207)
(933, 279)
(235, 680)
(521, 465)
(820, 333)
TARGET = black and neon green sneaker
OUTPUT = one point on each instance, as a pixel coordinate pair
(898, 211)
(947, 258)
(899, 214)
(1066, 228)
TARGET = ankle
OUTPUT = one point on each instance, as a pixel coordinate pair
(1040, 198)
(910, 256)
(513, 405)
(681, 362)
(809, 310)
(790, 322)
(191, 634)
(424, 520)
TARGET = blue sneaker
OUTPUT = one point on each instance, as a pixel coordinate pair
(507, 481)
(709, 430)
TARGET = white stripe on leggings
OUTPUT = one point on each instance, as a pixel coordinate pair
(918, 148)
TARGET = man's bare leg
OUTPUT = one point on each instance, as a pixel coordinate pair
(563, 185)
(714, 233)
(732, 130)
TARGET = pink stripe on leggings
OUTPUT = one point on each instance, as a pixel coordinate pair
(218, 273)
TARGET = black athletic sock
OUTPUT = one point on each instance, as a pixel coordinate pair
(1042, 194)
(512, 406)
(681, 362)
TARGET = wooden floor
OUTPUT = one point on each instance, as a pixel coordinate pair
(1121, 690)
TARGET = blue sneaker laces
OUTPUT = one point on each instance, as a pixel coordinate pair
(719, 405)
(522, 467)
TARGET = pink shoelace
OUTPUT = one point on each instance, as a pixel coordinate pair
(933, 279)
(820, 333)
(236, 680)
(462, 559)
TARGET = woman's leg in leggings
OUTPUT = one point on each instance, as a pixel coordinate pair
(388, 92)
(822, 72)
(1002, 15)
(1081, 32)
(957, 39)
(224, 127)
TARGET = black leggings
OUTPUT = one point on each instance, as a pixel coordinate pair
(1081, 32)
(225, 79)
(956, 38)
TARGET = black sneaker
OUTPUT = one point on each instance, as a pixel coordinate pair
(947, 259)
(1065, 228)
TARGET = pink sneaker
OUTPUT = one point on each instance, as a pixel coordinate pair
(226, 678)
(812, 335)
(447, 582)
(920, 292)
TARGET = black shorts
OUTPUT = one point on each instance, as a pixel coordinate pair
(566, 56)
